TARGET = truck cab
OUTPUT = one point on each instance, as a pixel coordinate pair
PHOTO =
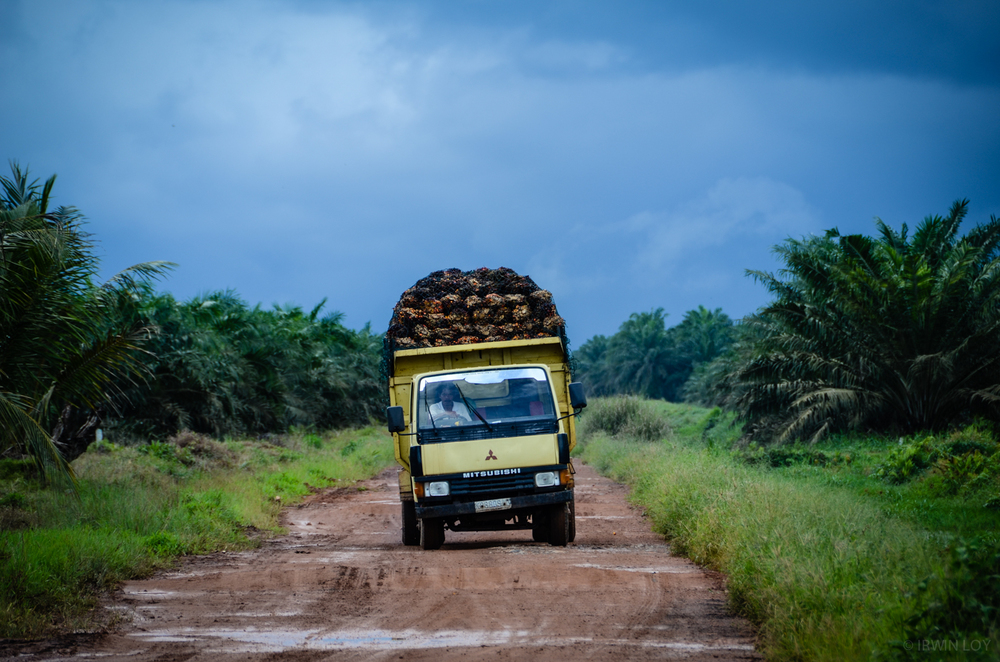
(485, 440)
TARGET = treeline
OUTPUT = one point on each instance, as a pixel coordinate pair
(216, 365)
(891, 334)
(646, 358)
(76, 355)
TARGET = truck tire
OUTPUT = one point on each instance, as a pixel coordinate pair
(558, 525)
(431, 533)
(572, 519)
(411, 532)
(539, 526)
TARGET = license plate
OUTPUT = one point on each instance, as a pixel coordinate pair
(492, 504)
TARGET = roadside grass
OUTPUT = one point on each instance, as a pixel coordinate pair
(849, 550)
(137, 508)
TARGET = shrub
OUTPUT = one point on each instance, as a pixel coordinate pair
(904, 462)
(786, 456)
(165, 543)
(203, 446)
(952, 473)
(626, 416)
(967, 459)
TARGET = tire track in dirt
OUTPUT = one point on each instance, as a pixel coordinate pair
(341, 585)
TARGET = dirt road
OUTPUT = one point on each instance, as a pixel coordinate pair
(341, 586)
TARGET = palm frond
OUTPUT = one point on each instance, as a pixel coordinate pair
(17, 427)
(890, 332)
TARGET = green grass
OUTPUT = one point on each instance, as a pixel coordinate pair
(137, 508)
(824, 556)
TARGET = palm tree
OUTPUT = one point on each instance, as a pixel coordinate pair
(642, 359)
(66, 344)
(646, 358)
(712, 383)
(704, 334)
(891, 333)
(590, 366)
(638, 352)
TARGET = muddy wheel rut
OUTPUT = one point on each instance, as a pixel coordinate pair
(341, 585)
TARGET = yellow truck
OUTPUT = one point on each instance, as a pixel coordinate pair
(483, 433)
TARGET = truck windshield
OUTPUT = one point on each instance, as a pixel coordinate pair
(501, 402)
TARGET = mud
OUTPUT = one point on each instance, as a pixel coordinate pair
(341, 586)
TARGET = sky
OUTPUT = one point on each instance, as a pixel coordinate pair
(626, 155)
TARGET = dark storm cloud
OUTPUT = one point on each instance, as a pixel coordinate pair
(629, 156)
(953, 40)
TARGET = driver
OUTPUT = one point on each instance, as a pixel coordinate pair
(446, 407)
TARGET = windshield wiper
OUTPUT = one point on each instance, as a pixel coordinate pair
(428, 408)
(475, 411)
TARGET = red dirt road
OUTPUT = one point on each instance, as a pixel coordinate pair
(341, 586)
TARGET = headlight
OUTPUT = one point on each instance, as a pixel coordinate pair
(438, 488)
(546, 479)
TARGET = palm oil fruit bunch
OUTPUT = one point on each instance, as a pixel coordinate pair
(455, 307)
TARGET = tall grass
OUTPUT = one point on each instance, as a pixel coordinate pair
(136, 509)
(824, 570)
(627, 416)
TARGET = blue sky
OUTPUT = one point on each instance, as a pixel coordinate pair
(626, 155)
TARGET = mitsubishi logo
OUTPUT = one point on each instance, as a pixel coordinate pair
(491, 456)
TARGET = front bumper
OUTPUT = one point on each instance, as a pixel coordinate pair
(516, 503)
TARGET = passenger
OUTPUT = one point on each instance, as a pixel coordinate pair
(447, 408)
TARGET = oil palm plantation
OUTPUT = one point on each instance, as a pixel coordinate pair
(642, 358)
(66, 344)
(646, 358)
(222, 367)
(893, 333)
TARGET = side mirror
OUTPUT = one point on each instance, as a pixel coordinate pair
(577, 398)
(395, 417)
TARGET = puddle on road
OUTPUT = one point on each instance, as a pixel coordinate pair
(320, 555)
(156, 594)
(674, 570)
(274, 641)
(631, 550)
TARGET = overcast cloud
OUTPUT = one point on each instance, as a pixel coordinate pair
(625, 155)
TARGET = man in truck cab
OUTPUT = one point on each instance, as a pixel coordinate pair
(446, 410)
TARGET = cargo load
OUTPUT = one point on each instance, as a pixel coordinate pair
(482, 407)
(455, 307)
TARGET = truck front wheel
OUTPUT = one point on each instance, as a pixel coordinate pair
(431, 533)
(558, 525)
(411, 532)
(539, 526)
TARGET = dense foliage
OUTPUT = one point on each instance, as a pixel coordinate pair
(67, 345)
(220, 367)
(892, 333)
(646, 358)
(76, 356)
